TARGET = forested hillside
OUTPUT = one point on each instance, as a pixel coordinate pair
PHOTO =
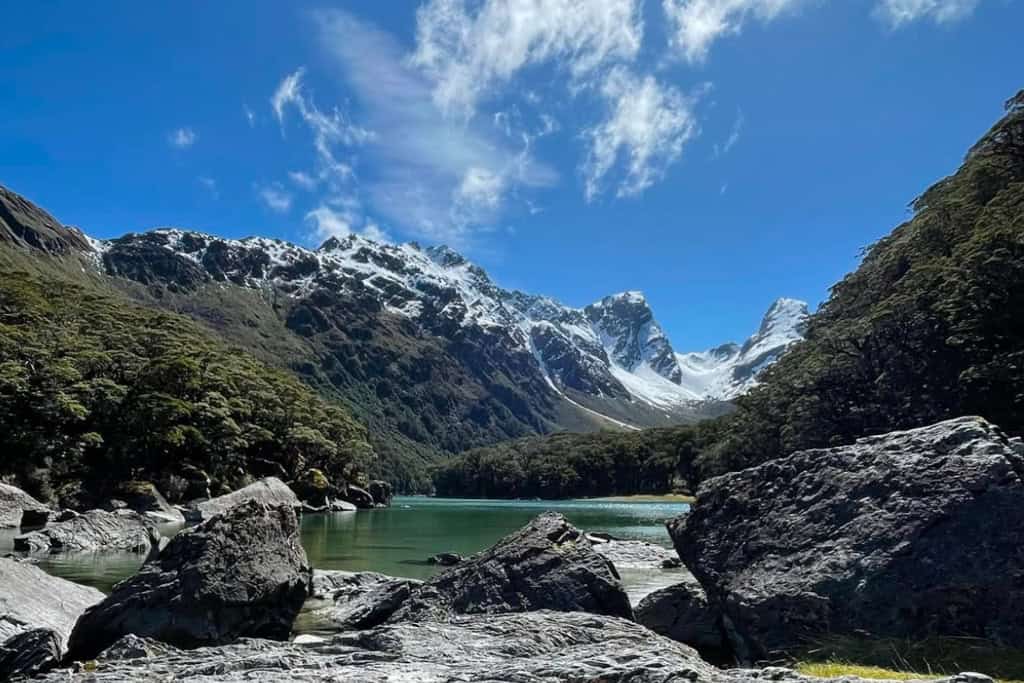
(95, 390)
(930, 326)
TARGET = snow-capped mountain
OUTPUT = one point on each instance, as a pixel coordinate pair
(730, 370)
(420, 342)
(612, 349)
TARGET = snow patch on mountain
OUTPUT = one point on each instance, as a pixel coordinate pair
(613, 348)
(730, 370)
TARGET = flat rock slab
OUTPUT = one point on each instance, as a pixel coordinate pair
(636, 554)
(14, 503)
(537, 647)
(242, 573)
(37, 613)
(909, 534)
(94, 531)
(31, 598)
(269, 491)
(548, 564)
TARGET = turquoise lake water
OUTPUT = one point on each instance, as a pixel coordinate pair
(398, 540)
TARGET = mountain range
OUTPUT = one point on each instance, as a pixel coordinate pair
(419, 340)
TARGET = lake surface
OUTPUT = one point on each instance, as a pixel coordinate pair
(398, 540)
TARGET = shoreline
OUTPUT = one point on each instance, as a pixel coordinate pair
(646, 498)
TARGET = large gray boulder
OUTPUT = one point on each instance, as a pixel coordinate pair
(269, 491)
(360, 600)
(94, 531)
(548, 564)
(18, 509)
(37, 613)
(683, 612)
(536, 647)
(243, 573)
(908, 535)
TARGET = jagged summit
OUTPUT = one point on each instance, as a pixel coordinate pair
(730, 370)
(612, 350)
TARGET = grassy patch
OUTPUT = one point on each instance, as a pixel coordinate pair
(897, 659)
(837, 669)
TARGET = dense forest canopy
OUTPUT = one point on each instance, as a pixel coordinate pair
(96, 390)
(930, 326)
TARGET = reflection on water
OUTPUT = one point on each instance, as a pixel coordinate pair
(398, 540)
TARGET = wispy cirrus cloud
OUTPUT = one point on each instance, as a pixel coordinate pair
(182, 138)
(720, 149)
(275, 197)
(469, 50)
(648, 126)
(329, 129)
(438, 178)
(695, 25)
(898, 13)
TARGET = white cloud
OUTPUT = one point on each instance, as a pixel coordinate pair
(182, 138)
(303, 180)
(275, 197)
(341, 218)
(898, 13)
(647, 126)
(250, 115)
(468, 52)
(696, 24)
(329, 129)
(722, 149)
(210, 184)
(439, 179)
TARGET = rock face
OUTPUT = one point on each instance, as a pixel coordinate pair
(269, 491)
(144, 498)
(381, 492)
(908, 534)
(18, 509)
(37, 613)
(362, 599)
(94, 531)
(548, 564)
(537, 647)
(243, 573)
(357, 496)
(682, 612)
(29, 653)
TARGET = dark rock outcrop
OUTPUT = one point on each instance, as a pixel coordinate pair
(29, 653)
(381, 493)
(242, 573)
(94, 531)
(24, 224)
(682, 612)
(359, 497)
(37, 613)
(445, 559)
(144, 498)
(364, 599)
(538, 647)
(908, 534)
(548, 564)
(19, 509)
(269, 491)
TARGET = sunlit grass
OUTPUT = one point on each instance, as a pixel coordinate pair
(903, 660)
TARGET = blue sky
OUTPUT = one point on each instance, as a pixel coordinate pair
(715, 154)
